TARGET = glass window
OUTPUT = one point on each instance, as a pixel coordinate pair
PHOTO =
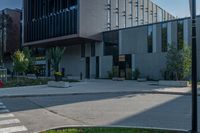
(164, 37)
(180, 34)
(150, 39)
(92, 49)
(83, 50)
(50, 18)
(111, 43)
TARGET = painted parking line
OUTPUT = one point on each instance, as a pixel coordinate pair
(7, 115)
(9, 121)
(13, 129)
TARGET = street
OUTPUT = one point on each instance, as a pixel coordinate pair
(112, 109)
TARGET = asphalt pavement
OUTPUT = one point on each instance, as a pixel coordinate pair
(112, 109)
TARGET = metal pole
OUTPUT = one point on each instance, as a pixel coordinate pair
(194, 69)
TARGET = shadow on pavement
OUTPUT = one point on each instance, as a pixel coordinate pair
(173, 114)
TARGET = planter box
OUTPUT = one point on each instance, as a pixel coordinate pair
(173, 83)
(118, 79)
(142, 80)
(60, 84)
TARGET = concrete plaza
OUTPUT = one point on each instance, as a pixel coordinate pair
(94, 86)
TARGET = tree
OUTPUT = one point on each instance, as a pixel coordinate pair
(20, 62)
(178, 63)
(29, 55)
(187, 62)
(55, 55)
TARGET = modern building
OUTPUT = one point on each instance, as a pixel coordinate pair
(94, 32)
(10, 33)
(145, 47)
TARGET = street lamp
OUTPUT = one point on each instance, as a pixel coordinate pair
(194, 68)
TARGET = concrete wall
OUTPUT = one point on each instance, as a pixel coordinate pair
(99, 48)
(93, 15)
(93, 67)
(106, 63)
(92, 18)
(74, 64)
(87, 49)
(72, 61)
(133, 40)
(150, 65)
(122, 14)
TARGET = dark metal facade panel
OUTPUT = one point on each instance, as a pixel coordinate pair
(44, 19)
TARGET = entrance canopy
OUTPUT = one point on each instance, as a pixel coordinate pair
(59, 41)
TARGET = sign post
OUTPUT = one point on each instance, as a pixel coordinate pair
(194, 69)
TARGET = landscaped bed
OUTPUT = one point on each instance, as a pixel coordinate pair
(28, 82)
(109, 130)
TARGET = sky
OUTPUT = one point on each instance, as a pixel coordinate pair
(179, 8)
(10, 4)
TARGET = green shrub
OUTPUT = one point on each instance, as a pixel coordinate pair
(128, 73)
(115, 71)
(55, 56)
(110, 74)
(20, 62)
(178, 65)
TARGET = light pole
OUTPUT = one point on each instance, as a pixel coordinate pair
(194, 69)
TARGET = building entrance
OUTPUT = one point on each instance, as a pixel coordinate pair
(122, 66)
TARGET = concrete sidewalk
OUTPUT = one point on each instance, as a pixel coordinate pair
(93, 86)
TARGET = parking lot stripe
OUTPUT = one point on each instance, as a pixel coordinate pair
(9, 121)
(13, 129)
(6, 115)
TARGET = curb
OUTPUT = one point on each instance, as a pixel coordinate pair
(114, 126)
(128, 92)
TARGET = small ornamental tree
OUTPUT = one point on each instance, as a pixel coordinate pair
(178, 63)
(55, 56)
(20, 62)
(31, 65)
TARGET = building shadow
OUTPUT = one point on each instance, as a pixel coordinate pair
(174, 114)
